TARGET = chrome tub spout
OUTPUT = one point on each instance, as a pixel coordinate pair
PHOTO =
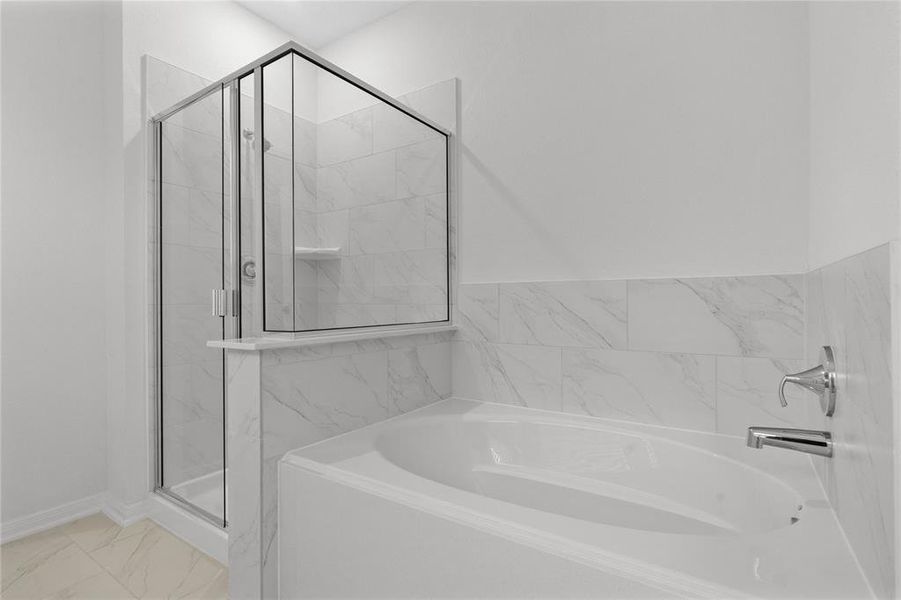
(799, 440)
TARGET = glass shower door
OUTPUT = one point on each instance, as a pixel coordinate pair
(193, 249)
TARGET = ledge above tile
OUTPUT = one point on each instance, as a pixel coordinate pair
(276, 342)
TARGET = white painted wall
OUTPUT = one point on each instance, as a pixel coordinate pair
(855, 140)
(74, 234)
(53, 320)
(608, 140)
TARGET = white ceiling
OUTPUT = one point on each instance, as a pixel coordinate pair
(315, 23)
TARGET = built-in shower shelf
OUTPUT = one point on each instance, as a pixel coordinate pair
(304, 253)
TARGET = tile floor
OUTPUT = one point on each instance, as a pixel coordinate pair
(93, 558)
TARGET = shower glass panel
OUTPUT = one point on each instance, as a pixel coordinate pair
(355, 205)
(193, 244)
(304, 200)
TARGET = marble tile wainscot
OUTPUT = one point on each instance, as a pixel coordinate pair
(707, 354)
(703, 353)
(286, 393)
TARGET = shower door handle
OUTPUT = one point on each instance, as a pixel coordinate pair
(220, 303)
(225, 303)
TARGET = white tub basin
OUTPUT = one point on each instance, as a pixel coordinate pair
(588, 508)
(594, 474)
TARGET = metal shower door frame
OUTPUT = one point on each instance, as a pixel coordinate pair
(229, 87)
(230, 262)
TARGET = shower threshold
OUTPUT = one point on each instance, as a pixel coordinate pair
(205, 492)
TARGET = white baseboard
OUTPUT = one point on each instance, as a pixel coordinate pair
(204, 536)
(47, 519)
(124, 514)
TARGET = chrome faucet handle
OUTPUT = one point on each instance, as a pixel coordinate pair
(782, 399)
(820, 379)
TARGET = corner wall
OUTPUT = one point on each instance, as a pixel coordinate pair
(855, 220)
(850, 309)
(53, 321)
(210, 39)
(855, 130)
(652, 139)
(74, 234)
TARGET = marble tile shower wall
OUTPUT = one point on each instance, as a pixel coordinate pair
(849, 307)
(381, 197)
(191, 213)
(373, 184)
(703, 354)
(290, 220)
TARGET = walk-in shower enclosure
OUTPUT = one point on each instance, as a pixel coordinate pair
(290, 197)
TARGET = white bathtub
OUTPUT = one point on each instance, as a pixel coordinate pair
(462, 499)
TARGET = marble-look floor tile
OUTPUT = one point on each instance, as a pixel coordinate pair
(216, 590)
(63, 563)
(580, 313)
(675, 390)
(62, 570)
(102, 586)
(28, 561)
(733, 316)
(96, 531)
(156, 564)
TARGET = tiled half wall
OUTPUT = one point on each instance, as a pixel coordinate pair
(280, 400)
